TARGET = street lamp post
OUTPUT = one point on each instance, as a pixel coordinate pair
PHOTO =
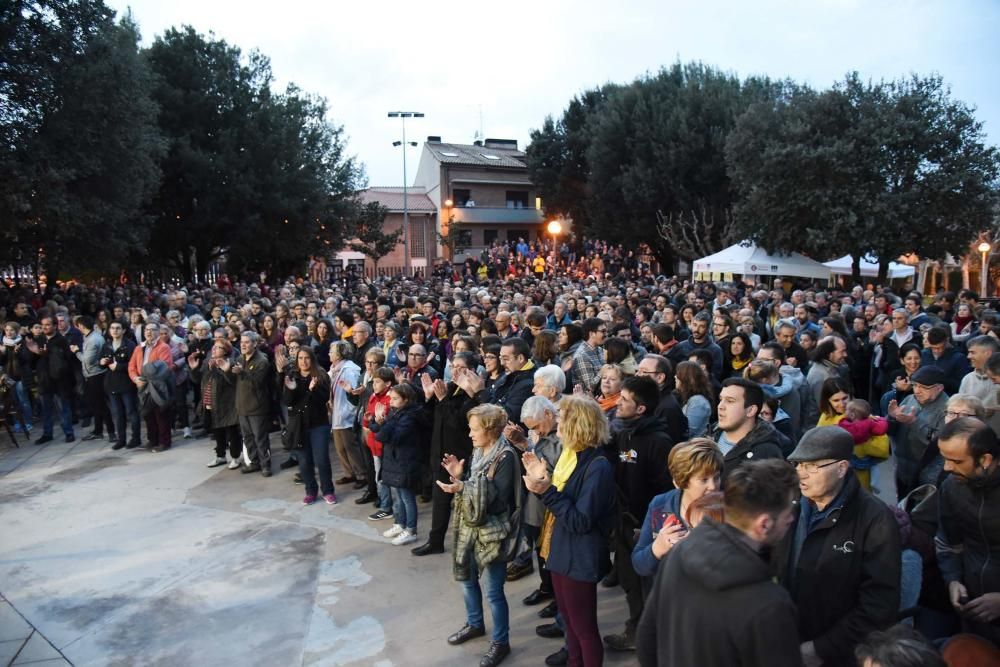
(984, 248)
(555, 228)
(402, 116)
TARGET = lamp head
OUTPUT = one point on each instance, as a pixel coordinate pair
(984, 247)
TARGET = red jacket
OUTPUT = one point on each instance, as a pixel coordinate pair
(161, 352)
(375, 399)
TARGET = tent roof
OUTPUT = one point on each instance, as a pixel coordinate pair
(869, 267)
(750, 260)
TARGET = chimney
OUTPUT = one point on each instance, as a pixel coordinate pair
(477, 142)
(509, 144)
(433, 140)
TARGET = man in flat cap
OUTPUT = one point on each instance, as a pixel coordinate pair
(840, 561)
(913, 427)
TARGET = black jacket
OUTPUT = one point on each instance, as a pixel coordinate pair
(223, 394)
(968, 541)
(450, 434)
(846, 581)
(54, 369)
(253, 385)
(763, 442)
(117, 381)
(512, 390)
(714, 603)
(642, 447)
(669, 411)
(401, 460)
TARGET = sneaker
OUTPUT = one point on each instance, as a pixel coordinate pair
(297, 479)
(379, 515)
(309, 500)
(217, 461)
(405, 537)
(289, 463)
(330, 499)
(394, 531)
(495, 655)
(187, 433)
(234, 464)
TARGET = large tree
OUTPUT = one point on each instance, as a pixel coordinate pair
(627, 162)
(879, 168)
(78, 138)
(262, 178)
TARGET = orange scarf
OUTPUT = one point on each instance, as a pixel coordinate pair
(609, 402)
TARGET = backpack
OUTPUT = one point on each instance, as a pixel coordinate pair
(512, 543)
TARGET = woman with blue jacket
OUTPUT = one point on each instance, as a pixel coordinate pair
(696, 468)
(579, 498)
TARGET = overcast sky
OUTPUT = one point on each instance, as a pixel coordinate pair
(512, 63)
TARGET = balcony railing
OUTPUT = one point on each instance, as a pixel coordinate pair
(495, 215)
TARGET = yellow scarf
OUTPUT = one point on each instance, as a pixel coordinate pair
(739, 364)
(564, 468)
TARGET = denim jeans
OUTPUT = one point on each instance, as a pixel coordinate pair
(24, 399)
(66, 408)
(125, 405)
(494, 578)
(384, 494)
(404, 508)
(316, 456)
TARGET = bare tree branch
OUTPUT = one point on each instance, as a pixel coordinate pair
(698, 233)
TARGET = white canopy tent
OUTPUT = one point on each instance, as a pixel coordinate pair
(869, 267)
(749, 260)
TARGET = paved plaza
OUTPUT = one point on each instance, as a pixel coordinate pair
(135, 558)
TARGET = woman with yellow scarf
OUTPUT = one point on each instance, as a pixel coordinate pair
(579, 499)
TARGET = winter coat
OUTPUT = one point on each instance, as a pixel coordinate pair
(846, 579)
(160, 352)
(763, 442)
(952, 363)
(450, 434)
(669, 411)
(644, 562)
(714, 603)
(401, 460)
(117, 381)
(513, 389)
(374, 400)
(641, 448)
(53, 369)
(968, 540)
(306, 408)
(223, 394)
(480, 517)
(253, 386)
(584, 514)
(915, 445)
(343, 410)
(158, 391)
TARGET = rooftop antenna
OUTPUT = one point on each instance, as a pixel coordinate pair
(479, 136)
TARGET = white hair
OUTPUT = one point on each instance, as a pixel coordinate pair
(536, 406)
(552, 377)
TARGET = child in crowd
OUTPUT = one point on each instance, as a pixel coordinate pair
(382, 381)
(871, 446)
(396, 428)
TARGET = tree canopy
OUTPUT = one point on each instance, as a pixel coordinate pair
(80, 147)
(692, 159)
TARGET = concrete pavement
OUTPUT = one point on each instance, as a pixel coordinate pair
(133, 558)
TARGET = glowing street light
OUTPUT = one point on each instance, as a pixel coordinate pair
(984, 248)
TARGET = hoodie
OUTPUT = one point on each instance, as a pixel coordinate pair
(763, 442)
(714, 603)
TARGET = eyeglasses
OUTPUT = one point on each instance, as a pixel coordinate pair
(811, 467)
(955, 415)
(602, 331)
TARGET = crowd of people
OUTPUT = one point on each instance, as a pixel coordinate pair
(774, 474)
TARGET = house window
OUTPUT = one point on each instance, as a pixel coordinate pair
(517, 199)
(489, 236)
(418, 244)
(461, 196)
